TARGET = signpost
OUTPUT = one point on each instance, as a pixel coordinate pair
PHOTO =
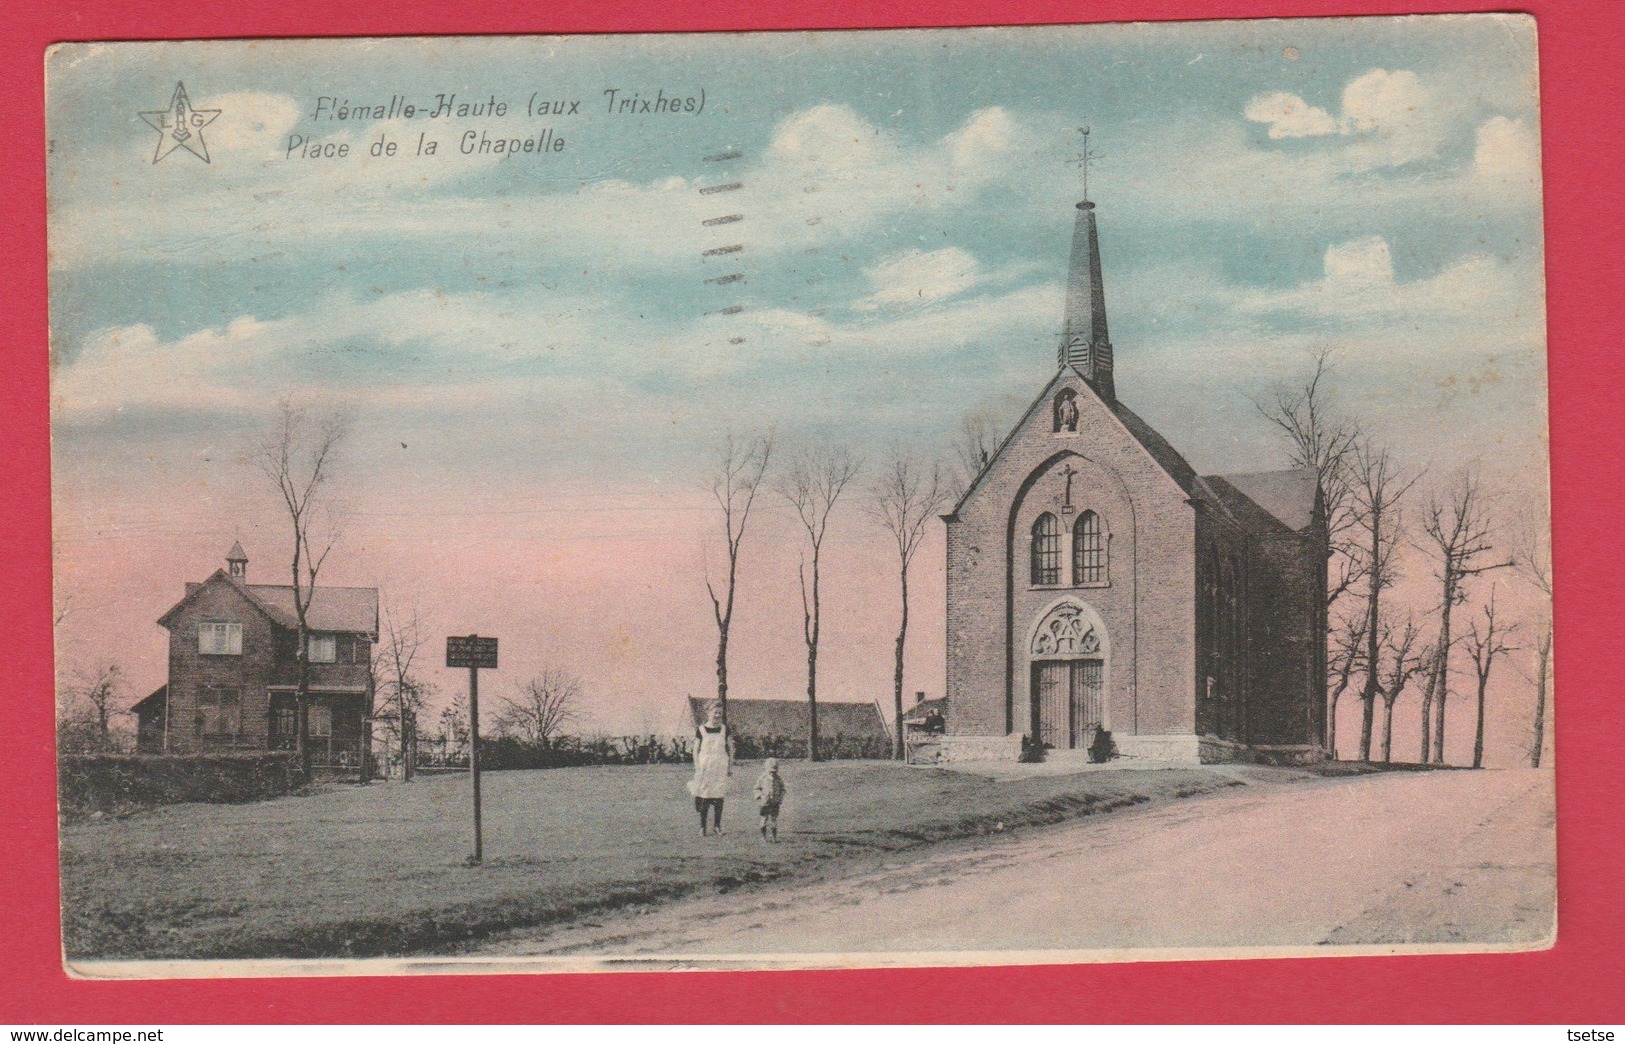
(474, 653)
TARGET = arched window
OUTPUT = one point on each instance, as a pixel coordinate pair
(1088, 550)
(1046, 551)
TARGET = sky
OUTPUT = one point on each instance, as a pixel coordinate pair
(538, 356)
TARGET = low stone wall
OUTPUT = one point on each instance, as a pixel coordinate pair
(1288, 755)
(88, 783)
(1175, 749)
(979, 748)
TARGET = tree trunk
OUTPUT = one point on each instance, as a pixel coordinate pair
(722, 668)
(1441, 681)
(1331, 726)
(301, 696)
(1368, 713)
(1543, 664)
(812, 702)
(1387, 730)
(897, 676)
(1427, 724)
(406, 731)
(810, 631)
(1478, 738)
(1438, 726)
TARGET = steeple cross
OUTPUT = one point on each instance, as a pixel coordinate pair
(1081, 161)
(1069, 472)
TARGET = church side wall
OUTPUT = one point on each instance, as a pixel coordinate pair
(1288, 706)
(1147, 606)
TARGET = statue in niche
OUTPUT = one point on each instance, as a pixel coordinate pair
(1066, 411)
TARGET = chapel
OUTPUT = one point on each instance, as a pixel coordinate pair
(1096, 582)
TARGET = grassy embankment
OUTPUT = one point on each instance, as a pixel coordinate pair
(346, 871)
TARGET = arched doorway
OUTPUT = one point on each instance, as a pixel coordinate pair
(1068, 652)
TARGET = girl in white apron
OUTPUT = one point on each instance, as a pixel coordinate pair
(713, 764)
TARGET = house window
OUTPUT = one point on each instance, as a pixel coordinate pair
(1046, 551)
(1088, 550)
(354, 649)
(219, 710)
(321, 720)
(324, 648)
(219, 639)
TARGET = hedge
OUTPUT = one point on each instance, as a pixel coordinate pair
(114, 782)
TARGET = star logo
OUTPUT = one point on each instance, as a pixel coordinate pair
(180, 126)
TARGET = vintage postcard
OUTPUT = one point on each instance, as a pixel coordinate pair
(801, 499)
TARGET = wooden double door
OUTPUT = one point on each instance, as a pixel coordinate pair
(1068, 702)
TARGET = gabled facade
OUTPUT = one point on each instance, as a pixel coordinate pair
(233, 670)
(1096, 582)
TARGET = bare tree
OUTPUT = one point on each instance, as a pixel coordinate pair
(397, 684)
(1405, 660)
(298, 457)
(740, 468)
(90, 703)
(1377, 490)
(454, 723)
(1532, 558)
(813, 485)
(1486, 640)
(973, 446)
(905, 498)
(1325, 442)
(1456, 536)
(546, 703)
(1345, 661)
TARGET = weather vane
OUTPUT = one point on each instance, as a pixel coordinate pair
(1082, 160)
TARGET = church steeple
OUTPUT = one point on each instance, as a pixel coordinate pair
(1085, 343)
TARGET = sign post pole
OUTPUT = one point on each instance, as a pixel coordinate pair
(474, 653)
(474, 755)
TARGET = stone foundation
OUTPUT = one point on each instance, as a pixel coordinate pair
(1288, 754)
(980, 748)
(1176, 748)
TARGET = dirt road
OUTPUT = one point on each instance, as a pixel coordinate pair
(1396, 859)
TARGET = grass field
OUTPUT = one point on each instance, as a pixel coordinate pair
(355, 871)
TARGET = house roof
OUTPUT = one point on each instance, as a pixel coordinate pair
(789, 717)
(350, 609)
(1285, 497)
(924, 707)
(331, 608)
(154, 698)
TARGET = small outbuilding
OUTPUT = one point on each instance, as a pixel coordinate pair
(778, 728)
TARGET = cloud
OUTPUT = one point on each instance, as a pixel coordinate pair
(1506, 155)
(1359, 288)
(1387, 119)
(1289, 116)
(919, 277)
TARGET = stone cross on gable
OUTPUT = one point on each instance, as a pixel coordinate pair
(1069, 472)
